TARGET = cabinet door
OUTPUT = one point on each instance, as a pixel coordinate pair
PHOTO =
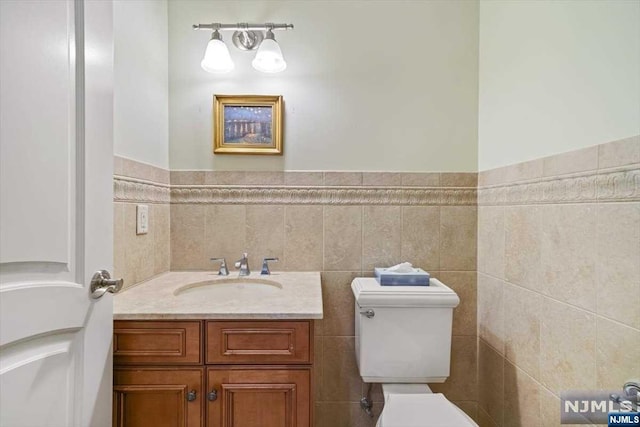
(258, 397)
(158, 397)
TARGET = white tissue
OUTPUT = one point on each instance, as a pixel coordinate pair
(403, 267)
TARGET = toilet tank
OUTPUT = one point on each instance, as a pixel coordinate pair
(403, 333)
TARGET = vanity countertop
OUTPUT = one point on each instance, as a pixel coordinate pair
(204, 295)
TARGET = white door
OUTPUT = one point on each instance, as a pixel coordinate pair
(56, 156)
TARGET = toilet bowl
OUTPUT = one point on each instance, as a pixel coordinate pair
(403, 341)
(414, 405)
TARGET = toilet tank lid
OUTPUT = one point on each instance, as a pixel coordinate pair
(369, 293)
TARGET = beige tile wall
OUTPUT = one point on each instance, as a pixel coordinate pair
(343, 242)
(558, 275)
(140, 257)
(558, 281)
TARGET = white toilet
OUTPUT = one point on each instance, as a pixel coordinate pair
(403, 340)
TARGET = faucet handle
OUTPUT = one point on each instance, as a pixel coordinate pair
(244, 259)
(224, 271)
(265, 265)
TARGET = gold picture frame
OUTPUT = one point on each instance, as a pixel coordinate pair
(247, 124)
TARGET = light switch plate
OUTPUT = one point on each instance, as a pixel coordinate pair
(142, 219)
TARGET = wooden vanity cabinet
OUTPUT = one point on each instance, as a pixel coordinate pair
(158, 397)
(213, 373)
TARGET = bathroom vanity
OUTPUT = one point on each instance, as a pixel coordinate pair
(196, 349)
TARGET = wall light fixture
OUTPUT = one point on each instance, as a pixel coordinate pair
(268, 59)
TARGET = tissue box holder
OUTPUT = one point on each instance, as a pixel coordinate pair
(418, 277)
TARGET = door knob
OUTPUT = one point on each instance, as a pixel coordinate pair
(192, 395)
(212, 395)
(101, 283)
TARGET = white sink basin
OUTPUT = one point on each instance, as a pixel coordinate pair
(229, 288)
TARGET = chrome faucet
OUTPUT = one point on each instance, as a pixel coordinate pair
(223, 266)
(243, 265)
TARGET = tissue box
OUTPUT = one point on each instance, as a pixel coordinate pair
(418, 277)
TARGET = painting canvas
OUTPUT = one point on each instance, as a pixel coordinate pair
(248, 124)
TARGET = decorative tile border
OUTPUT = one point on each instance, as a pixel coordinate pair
(603, 186)
(132, 190)
(127, 189)
(279, 195)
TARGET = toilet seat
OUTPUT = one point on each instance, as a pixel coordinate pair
(422, 410)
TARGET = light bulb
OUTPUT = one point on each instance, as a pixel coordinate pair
(217, 58)
(269, 57)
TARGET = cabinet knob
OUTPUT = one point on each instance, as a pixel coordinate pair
(212, 395)
(191, 396)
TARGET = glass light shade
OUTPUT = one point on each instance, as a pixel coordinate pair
(269, 57)
(217, 58)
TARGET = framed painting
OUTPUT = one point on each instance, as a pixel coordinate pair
(247, 124)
